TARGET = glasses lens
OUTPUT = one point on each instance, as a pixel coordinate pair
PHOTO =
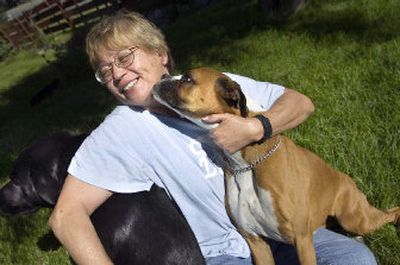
(124, 58)
(103, 75)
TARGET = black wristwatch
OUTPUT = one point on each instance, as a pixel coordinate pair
(266, 126)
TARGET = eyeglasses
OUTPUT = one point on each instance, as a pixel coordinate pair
(123, 59)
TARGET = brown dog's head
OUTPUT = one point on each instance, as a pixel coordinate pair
(200, 92)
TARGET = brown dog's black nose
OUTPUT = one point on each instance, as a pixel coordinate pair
(165, 76)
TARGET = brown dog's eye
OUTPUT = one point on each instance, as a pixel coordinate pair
(186, 79)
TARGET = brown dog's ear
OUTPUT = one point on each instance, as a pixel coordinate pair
(232, 94)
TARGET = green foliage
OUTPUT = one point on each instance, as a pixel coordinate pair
(5, 50)
(342, 54)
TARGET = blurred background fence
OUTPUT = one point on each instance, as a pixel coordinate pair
(24, 24)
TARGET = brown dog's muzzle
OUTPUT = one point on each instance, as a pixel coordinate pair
(167, 90)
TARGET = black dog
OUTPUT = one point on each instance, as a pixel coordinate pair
(139, 228)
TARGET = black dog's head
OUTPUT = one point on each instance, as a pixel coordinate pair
(38, 174)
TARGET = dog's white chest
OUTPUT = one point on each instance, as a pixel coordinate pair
(251, 207)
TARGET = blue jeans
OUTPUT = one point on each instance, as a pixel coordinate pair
(331, 249)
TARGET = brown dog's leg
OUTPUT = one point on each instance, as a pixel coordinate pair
(260, 251)
(305, 249)
(356, 215)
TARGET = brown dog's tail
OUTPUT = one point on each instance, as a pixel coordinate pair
(396, 211)
(360, 217)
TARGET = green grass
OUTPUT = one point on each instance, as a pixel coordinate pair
(343, 54)
(17, 67)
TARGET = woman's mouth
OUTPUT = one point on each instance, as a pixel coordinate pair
(129, 86)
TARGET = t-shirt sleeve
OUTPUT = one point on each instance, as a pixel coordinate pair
(102, 160)
(263, 94)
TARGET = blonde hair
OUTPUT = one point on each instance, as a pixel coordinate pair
(122, 30)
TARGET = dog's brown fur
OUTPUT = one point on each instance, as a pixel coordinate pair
(304, 189)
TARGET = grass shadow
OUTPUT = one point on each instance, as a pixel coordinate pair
(76, 104)
(228, 21)
(48, 242)
(323, 18)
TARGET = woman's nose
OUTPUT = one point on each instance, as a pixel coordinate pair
(118, 72)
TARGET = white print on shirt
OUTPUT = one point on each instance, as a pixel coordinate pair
(211, 169)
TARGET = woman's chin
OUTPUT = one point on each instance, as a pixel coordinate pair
(144, 103)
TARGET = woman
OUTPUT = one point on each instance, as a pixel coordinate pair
(141, 143)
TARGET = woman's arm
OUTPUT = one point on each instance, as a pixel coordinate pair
(71, 224)
(234, 132)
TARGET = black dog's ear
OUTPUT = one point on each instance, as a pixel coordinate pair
(232, 94)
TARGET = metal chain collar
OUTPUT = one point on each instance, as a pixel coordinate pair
(258, 160)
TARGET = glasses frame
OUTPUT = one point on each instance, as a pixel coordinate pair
(115, 62)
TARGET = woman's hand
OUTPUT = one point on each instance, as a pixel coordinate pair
(234, 132)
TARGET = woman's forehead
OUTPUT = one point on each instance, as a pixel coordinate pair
(106, 56)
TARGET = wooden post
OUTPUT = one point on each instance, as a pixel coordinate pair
(65, 15)
(21, 24)
(7, 38)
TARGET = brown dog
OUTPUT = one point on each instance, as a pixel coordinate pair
(292, 191)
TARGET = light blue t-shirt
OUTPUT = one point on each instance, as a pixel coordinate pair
(134, 148)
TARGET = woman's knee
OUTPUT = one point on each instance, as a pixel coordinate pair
(336, 249)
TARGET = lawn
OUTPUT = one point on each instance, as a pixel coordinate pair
(343, 54)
